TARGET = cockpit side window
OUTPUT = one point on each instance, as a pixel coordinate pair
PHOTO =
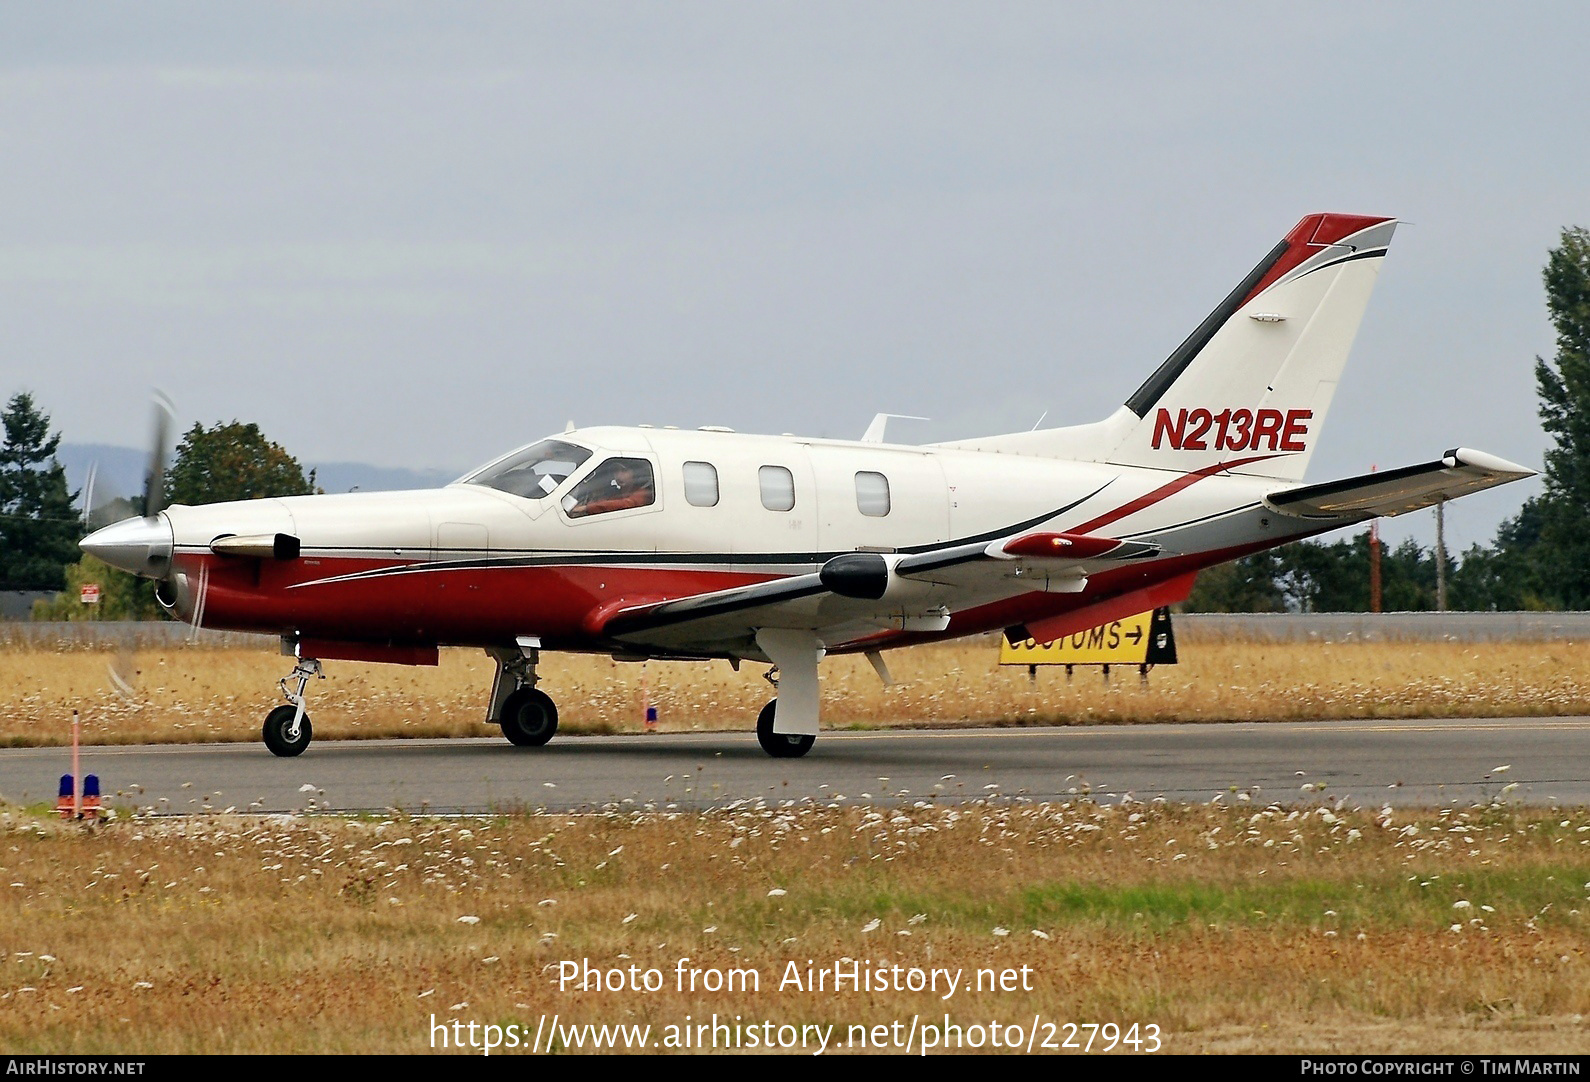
(533, 473)
(616, 485)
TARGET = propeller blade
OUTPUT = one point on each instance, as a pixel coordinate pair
(155, 479)
(88, 494)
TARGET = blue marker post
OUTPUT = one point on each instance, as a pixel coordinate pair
(91, 807)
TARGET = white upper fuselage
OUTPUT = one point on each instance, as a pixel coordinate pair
(935, 496)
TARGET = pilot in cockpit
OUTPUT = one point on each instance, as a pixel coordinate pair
(614, 486)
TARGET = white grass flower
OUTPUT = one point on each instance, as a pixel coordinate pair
(140, 985)
(1001, 931)
(459, 1006)
(1461, 903)
(872, 925)
(1039, 933)
(1501, 769)
(427, 992)
(547, 901)
(488, 961)
(468, 920)
(630, 918)
(709, 929)
(777, 892)
(922, 917)
(306, 788)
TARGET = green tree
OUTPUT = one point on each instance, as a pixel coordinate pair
(1505, 577)
(121, 596)
(233, 462)
(1246, 585)
(1561, 559)
(39, 527)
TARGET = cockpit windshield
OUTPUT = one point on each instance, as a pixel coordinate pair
(534, 472)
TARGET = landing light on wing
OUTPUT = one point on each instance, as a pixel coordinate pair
(1069, 546)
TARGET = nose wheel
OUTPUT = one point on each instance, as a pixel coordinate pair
(279, 734)
(287, 729)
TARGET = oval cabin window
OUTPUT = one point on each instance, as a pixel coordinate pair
(778, 488)
(872, 494)
(701, 484)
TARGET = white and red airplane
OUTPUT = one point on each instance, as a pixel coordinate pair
(659, 543)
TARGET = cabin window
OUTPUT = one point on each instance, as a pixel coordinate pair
(534, 472)
(616, 485)
(778, 488)
(872, 494)
(701, 484)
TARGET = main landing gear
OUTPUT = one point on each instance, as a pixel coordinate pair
(527, 715)
(287, 729)
(787, 727)
(780, 745)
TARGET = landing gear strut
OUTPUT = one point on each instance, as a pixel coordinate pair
(527, 715)
(287, 729)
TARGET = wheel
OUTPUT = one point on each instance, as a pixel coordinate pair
(529, 718)
(277, 722)
(780, 745)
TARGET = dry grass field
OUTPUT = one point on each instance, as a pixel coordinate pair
(1230, 928)
(200, 693)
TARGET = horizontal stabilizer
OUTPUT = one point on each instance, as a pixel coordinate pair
(1395, 492)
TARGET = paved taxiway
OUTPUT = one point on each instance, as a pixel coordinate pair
(1405, 763)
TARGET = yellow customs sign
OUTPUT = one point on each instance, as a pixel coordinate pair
(1144, 639)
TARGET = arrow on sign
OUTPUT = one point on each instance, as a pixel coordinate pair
(1136, 635)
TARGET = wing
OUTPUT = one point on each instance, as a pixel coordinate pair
(1395, 492)
(858, 594)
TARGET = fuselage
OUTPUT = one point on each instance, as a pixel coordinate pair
(472, 564)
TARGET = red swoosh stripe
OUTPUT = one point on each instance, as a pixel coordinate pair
(1148, 499)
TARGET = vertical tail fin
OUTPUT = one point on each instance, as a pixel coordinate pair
(1252, 384)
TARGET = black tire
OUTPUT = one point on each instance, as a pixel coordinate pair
(277, 722)
(780, 745)
(529, 718)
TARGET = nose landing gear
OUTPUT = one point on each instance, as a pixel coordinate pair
(287, 729)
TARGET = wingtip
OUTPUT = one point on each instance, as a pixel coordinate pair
(1467, 456)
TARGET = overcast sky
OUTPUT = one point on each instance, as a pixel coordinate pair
(420, 234)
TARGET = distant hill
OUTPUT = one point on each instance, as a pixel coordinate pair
(120, 473)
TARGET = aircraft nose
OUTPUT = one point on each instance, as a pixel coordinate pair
(140, 545)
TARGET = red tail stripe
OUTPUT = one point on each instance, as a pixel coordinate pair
(1307, 238)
